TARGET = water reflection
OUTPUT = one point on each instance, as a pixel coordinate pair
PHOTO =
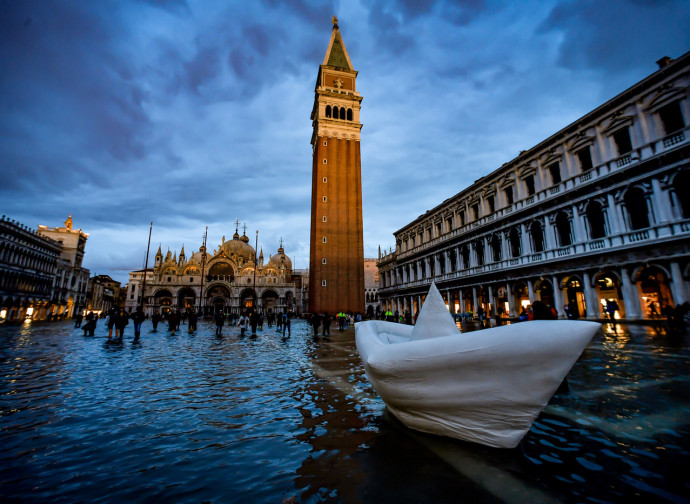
(203, 418)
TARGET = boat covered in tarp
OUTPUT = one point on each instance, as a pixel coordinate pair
(484, 386)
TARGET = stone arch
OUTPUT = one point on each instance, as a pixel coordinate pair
(574, 296)
(564, 229)
(545, 291)
(496, 247)
(186, 298)
(635, 200)
(247, 299)
(221, 270)
(653, 283)
(536, 233)
(269, 301)
(328, 111)
(515, 242)
(596, 220)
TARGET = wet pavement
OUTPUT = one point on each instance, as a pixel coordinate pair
(196, 418)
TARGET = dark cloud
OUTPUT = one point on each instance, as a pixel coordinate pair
(619, 36)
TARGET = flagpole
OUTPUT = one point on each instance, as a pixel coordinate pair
(146, 267)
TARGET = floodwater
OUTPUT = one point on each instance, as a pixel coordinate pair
(196, 418)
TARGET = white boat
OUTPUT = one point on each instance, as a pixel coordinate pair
(483, 386)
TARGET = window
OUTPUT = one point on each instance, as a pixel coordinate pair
(328, 111)
(323, 261)
(191, 279)
(169, 279)
(323, 283)
(492, 204)
(496, 247)
(529, 184)
(555, 172)
(537, 236)
(475, 211)
(323, 240)
(584, 156)
(438, 230)
(325, 180)
(325, 161)
(342, 113)
(622, 140)
(671, 117)
(681, 182)
(325, 143)
(515, 247)
(323, 219)
(449, 224)
(565, 236)
(462, 217)
(324, 199)
(595, 218)
(509, 194)
(479, 249)
(636, 204)
(131, 296)
(335, 112)
(349, 114)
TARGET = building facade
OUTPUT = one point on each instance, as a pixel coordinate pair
(336, 255)
(371, 288)
(230, 280)
(28, 263)
(102, 294)
(71, 279)
(595, 214)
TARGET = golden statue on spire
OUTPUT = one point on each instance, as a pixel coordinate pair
(68, 222)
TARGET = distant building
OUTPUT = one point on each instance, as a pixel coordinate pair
(102, 294)
(28, 263)
(71, 279)
(597, 214)
(336, 253)
(371, 288)
(220, 281)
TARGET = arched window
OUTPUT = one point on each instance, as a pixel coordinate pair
(349, 114)
(515, 247)
(328, 111)
(479, 249)
(537, 235)
(335, 112)
(565, 235)
(595, 218)
(637, 208)
(465, 254)
(680, 184)
(496, 247)
(342, 113)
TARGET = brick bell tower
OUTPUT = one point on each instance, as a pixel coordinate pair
(336, 253)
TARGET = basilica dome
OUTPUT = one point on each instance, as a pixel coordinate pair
(280, 260)
(239, 247)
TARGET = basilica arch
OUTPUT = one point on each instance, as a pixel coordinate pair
(221, 270)
(186, 298)
(269, 301)
(163, 299)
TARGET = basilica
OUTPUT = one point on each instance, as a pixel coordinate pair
(231, 279)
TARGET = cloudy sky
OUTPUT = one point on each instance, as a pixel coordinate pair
(195, 113)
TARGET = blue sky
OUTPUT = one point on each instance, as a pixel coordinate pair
(195, 113)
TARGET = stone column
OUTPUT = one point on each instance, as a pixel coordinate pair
(661, 203)
(492, 301)
(530, 291)
(557, 296)
(474, 301)
(524, 238)
(512, 302)
(593, 310)
(549, 238)
(616, 223)
(630, 297)
(579, 233)
(678, 286)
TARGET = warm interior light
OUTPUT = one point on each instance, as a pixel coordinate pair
(29, 312)
(525, 303)
(3, 314)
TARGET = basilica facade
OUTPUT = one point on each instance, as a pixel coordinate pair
(596, 215)
(231, 279)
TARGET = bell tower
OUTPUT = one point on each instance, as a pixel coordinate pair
(336, 253)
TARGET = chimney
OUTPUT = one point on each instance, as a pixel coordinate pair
(665, 61)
